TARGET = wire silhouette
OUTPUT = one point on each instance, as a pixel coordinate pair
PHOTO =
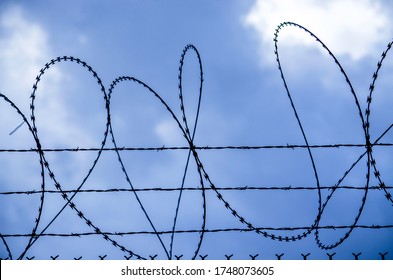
(206, 183)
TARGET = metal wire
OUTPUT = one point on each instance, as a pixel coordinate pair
(286, 234)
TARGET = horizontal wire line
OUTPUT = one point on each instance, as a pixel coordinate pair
(164, 148)
(198, 231)
(170, 189)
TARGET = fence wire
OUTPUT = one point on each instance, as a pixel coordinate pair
(206, 184)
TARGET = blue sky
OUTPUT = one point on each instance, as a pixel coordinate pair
(243, 103)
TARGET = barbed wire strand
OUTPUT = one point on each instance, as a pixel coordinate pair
(164, 148)
(80, 234)
(171, 189)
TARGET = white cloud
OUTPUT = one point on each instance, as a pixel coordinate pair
(355, 28)
(24, 49)
(168, 132)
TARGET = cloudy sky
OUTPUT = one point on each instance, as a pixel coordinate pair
(244, 103)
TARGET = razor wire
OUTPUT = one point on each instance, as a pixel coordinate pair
(206, 183)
